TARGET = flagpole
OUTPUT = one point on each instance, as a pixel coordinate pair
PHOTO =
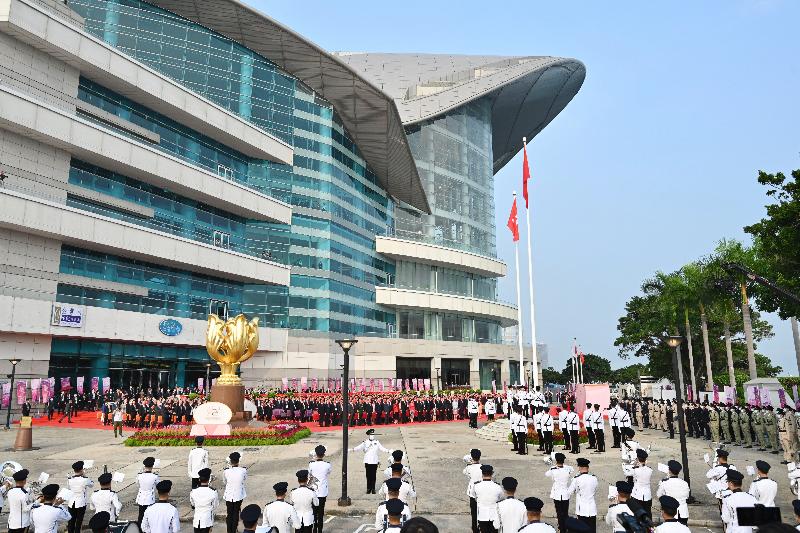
(522, 376)
(574, 359)
(534, 357)
(581, 366)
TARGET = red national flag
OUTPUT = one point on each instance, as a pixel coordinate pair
(512, 221)
(526, 174)
(581, 357)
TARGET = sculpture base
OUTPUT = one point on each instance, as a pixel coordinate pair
(233, 397)
(24, 440)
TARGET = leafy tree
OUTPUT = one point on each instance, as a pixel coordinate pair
(630, 373)
(550, 375)
(596, 369)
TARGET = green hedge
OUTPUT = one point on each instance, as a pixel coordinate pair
(221, 441)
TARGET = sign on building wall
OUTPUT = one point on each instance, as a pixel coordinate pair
(67, 316)
(170, 327)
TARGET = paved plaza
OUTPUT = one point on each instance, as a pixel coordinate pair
(434, 452)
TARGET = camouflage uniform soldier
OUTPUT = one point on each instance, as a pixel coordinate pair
(744, 421)
(787, 439)
(772, 430)
(761, 429)
(713, 421)
(724, 428)
(737, 428)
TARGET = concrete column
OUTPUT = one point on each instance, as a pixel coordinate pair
(99, 367)
(180, 373)
(474, 373)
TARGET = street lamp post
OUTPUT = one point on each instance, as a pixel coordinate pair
(346, 344)
(438, 379)
(675, 342)
(11, 392)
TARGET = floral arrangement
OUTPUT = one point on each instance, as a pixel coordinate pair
(276, 433)
(558, 438)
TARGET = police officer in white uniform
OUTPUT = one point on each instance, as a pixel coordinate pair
(537, 398)
(382, 515)
(235, 479)
(147, 480)
(621, 506)
(598, 426)
(46, 516)
(106, 499)
(487, 494)
(406, 491)
(519, 426)
(19, 503)
(473, 473)
(304, 500)
(371, 448)
(198, 459)
(397, 457)
(472, 411)
(162, 516)
(321, 470)
(99, 522)
(574, 427)
(717, 474)
(547, 430)
(735, 500)
(204, 500)
(534, 524)
(394, 511)
(559, 492)
(763, 489)
(584, 486)
(641, 474)
(511, 514)
(669, 511)
(676, 488)
(280, 514)
(80, 486)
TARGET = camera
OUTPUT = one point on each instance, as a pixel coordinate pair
(639, 522)
(757, 516)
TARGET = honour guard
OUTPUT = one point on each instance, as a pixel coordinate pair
(406, 491)
(519, 427)
(250, 516)
(562, 425)
(397, 458)
(382, 515)
(487, 494)
(204, 501)
(676, 488)
(510, 511)
(371, 449)
(598, 426)
(147, 481)
(198, 459)
(394, 512)
(534, 524)
(80, 486)
(45, 517)
(669, 511)
(574, 426)
(734, 501)
(19, 503)
(621, 506)
(235, 478)
(472, 411)
(321, 470)
(280, 514)
(584, 486)
(99, 522)
(560, 493)
(162, 516)
(587, 425)
(763, 489)
(106, 499)
(474, 476)
(304, 500)
(640, 475)
(547, 430)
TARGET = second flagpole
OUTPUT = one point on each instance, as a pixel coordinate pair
(534, 355)
(522, 379)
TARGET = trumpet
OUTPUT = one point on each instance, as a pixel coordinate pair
(313, 482)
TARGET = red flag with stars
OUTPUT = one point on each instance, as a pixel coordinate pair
(526, 174)
(512, 221)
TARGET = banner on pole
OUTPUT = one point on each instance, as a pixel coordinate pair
(303, 383)
(79, 381)
(372, 384)
(47, 390)
(315, 384)
(765, 399)
(95, 383)
(689, 393)
(494, 387)
(294, 383)
(782, 398)
(427, 384)
(201, 384)
(65, 384)
(730, 395)
(716, 393)
(6, 395)
(285, 383)
(22, 391)
(796, 398)
(36, 390)
(106, 383)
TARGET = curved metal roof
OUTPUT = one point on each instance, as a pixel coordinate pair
(370, 116)
(527, 92)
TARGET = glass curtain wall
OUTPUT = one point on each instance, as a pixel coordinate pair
(489, 370)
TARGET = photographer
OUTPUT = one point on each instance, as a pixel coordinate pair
(669, 510)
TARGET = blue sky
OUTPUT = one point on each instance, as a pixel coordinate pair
(650, 165)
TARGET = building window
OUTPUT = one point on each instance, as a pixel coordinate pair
(455, 373)
(222, 239)
(413, 367)
(225, 172)
(489, 371)
(219, 308)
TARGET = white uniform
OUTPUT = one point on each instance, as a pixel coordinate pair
(764, 491)
(281, 515)
(204, 501)
(628, 451)
(487, 494)
(718, 473)
(573, 421)
(387, 472)
(304, 500)
(584, 486)
(474, 475)
(562, 477)
(538, 399)
(321, 470)
(641, 482)
(45, 518)
(587, 422)
(511, 515)
(161, 517)
(80, 486)
(491, 407)
(198, 460)
(624, 418)
(106, 500)
(730, 503)
(382, 516)
(614, 510)
(371, 449)
(678, 489)
(472, 406)
(547, 422)
(235, 478)
(598, 422)
(19, 508)
(147, 488)
(406, 492)
(672, 526)
(537, 527)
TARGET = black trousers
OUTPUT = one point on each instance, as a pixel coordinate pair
(615, 432)
(142, 509)
(548, 441)
(514, 441)
(567, 437)
(370, 471)
(202, 529)
(76, 522)
(684, 521)
(590, 521)
(590, 436)
(305, 529)
(646, 505)
(575, 441)
(319, 514)
(541, 440)
(473, 420)
(18, 530)
(195, 482)
(600, 440)
(486, 526)
(522, 444)
(232, 521)
(562, 512)
(473, 510)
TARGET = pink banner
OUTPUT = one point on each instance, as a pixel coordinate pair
(95, 383)
(716, 393)
(315, 384)
(22, 391)
(494, 387)
(339, 384)
(380, 385)
(764, 395)
(505, 387)
(730, 395)
(65, 384)
(47, 390)
(285, 383)
(427, 384)
(80, 384)
(796, 398)
(689, 393)
(330, 384)
(294, 383)
(6, 395)
(372, 384)
(201, 384)
(303, 383)
(36, 390)
(782, 398)
(106, 384)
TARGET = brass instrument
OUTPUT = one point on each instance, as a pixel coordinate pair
(7, 471)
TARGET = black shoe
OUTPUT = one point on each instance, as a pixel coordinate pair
(774, 452)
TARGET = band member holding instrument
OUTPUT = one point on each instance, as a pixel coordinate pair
(147, 481)
(162, 516)
(19, 503)
(511, 515)
(235, 478)
(321, 470)
(106, 499)
(46, 515)
(80, 486)
(204, 501)
(198, 459)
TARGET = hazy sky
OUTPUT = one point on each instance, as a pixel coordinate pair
(654, 160)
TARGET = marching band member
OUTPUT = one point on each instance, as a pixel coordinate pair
(147, 480)
(19, 503)
(394, 510)
(559, 492)
(669, 510)
(640, 476)
(204, 501)
(304, 500)
(676, 488)
(371, 448)
(198, 459)
(280, 514)
(474, 476)
(397, 457)
(534, 524)
(250, 515)
(763, 489)
(584, 486)
(628, 446)
(162, 516)
(235, 478)
(321, 470)
(46, 516)
(511, 513)
(406, 491)
(106, 499)
(717, 473)
(382, 515)
(487, 494)
(621, 506)
(735, 500)
(99, 522)
(80, 486)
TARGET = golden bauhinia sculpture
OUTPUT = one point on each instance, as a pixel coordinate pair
(230, 343)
